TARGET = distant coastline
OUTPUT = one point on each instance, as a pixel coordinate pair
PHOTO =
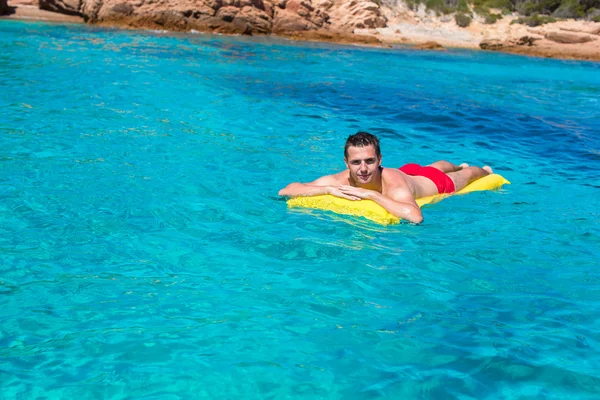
(565, 39)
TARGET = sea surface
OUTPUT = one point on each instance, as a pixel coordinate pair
(145, 254)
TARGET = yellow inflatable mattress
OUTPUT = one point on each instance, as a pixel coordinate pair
(373, 211)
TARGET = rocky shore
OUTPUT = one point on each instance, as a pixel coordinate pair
(340, 21)
(566, 39)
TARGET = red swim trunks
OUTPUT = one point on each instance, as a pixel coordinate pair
(442, 181)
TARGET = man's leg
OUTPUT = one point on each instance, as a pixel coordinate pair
(446, 166)
(467, 175)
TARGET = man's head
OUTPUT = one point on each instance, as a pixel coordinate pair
(362, 139)
(363, 159)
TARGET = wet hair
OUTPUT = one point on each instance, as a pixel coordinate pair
(362, 139)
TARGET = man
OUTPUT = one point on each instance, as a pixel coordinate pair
(393, 189)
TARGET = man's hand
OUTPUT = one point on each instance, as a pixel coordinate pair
(402, 204)
(353, 193)
(324, 185)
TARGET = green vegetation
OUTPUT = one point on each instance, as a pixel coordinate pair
(492, 18)
(463, 7)
(462, 20)
(500, 4)
(440, 6)
(569, 9)
(533, 12)
(485, 12)
(534, 20)
(593, 14)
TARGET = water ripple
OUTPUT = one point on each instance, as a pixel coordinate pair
(144, 252)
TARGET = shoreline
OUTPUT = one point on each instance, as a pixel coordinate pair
(566, 39)
(33, 13)
(429, 35)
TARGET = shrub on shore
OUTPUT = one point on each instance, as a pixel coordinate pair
(534, 20)
(440, 6)
(504, 5)
(556, 8)
(492, 18)
(593, 14)
(463, 7)
(534, 12)
(569, 9)
(488, 16)
(462, 20)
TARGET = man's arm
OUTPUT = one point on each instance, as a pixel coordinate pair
(401, 203)
(325, 185)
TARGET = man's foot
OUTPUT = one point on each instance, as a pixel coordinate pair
(463, 165)
(488, 169)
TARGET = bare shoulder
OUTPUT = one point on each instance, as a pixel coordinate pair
(396, 186)
(393, 177)
(340, 178)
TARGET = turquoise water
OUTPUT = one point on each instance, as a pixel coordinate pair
(144, 252)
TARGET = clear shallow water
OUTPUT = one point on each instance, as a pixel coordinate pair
(144, 252)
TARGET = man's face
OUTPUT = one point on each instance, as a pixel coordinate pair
(363, 164)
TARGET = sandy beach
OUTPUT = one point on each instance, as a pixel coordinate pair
(26, 10)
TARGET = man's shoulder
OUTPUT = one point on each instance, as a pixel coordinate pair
(391, 173)
(396, 185)
(393, 177)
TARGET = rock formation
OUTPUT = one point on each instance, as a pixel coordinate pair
(393, 23)
(492, 44)
(563, 39)
(431, 45)
(69, 7)
(568, 38)
(228, 16)
(3, 7)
